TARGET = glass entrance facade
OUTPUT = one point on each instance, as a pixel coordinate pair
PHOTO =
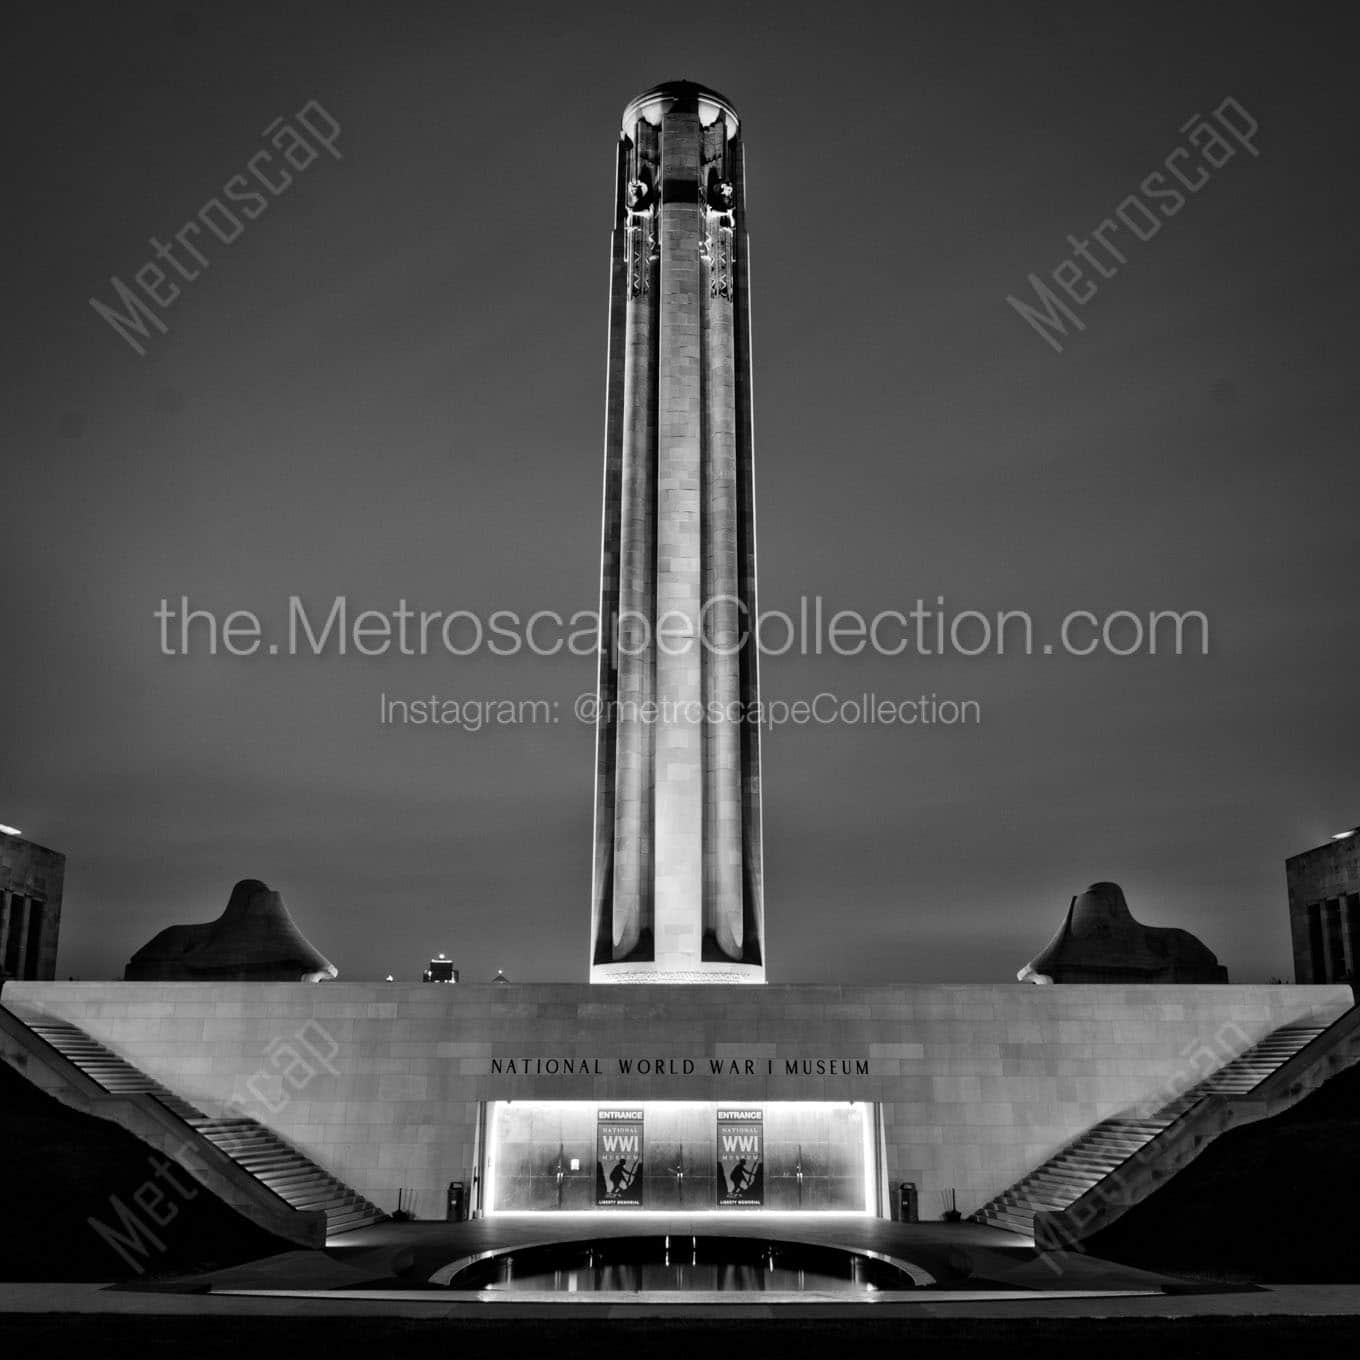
(679, 1156)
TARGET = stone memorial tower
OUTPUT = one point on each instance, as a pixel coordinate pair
(677, 890)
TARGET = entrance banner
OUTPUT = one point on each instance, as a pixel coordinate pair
(618, 1158)
(741, 1158)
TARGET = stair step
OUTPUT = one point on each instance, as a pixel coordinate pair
(1032, 1206)
(1079, 1171)
(1067, 1185)
(279, 1165)
(280, 1160)
(1064, 1190)
(305, 1199)
(350, 1213)
(1014, 1223)
(1024, 1196)
(1082, 1168)
(247, 1147)
(295, 1178)
(1078, 1185)
(334, 1227)
(1047, 1184)
(320, 1196)
(1088, 1161)
(253, 1147)
(358, 1208)
(1065, 1176)
(337, 1225)
(328, 1203)
(340, 1229)
(276, 1176)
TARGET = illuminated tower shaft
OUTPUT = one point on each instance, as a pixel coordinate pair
(677, 893)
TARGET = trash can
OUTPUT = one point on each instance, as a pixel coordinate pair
(907, 1208)
(458, 1203)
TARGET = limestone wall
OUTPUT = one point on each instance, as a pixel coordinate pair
(381, 1083)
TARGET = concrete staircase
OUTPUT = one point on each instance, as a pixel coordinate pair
(257, 1150)
(1115, 1163)
(107, 1068)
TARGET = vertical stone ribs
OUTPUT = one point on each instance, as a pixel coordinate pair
(632, 897)
(721, 631)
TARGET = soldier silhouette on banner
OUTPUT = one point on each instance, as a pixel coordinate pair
(741, 1180)
(621, 1178)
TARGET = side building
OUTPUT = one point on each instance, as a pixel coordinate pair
(1324, 909)
(31, 879)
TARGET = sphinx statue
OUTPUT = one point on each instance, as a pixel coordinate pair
(1099, 941)
(254, 940)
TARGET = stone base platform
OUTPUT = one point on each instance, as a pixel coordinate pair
(386, 1085)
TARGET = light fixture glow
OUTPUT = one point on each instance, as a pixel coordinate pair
(1343, 835)
(9, 830)
(569, 1112)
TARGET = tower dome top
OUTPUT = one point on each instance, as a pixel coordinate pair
(652, 104)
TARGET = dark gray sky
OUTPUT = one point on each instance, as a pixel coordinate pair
(393, 384)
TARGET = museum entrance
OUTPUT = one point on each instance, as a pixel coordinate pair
(549, 1156)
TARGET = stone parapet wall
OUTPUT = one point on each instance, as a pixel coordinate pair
(381, 1083)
